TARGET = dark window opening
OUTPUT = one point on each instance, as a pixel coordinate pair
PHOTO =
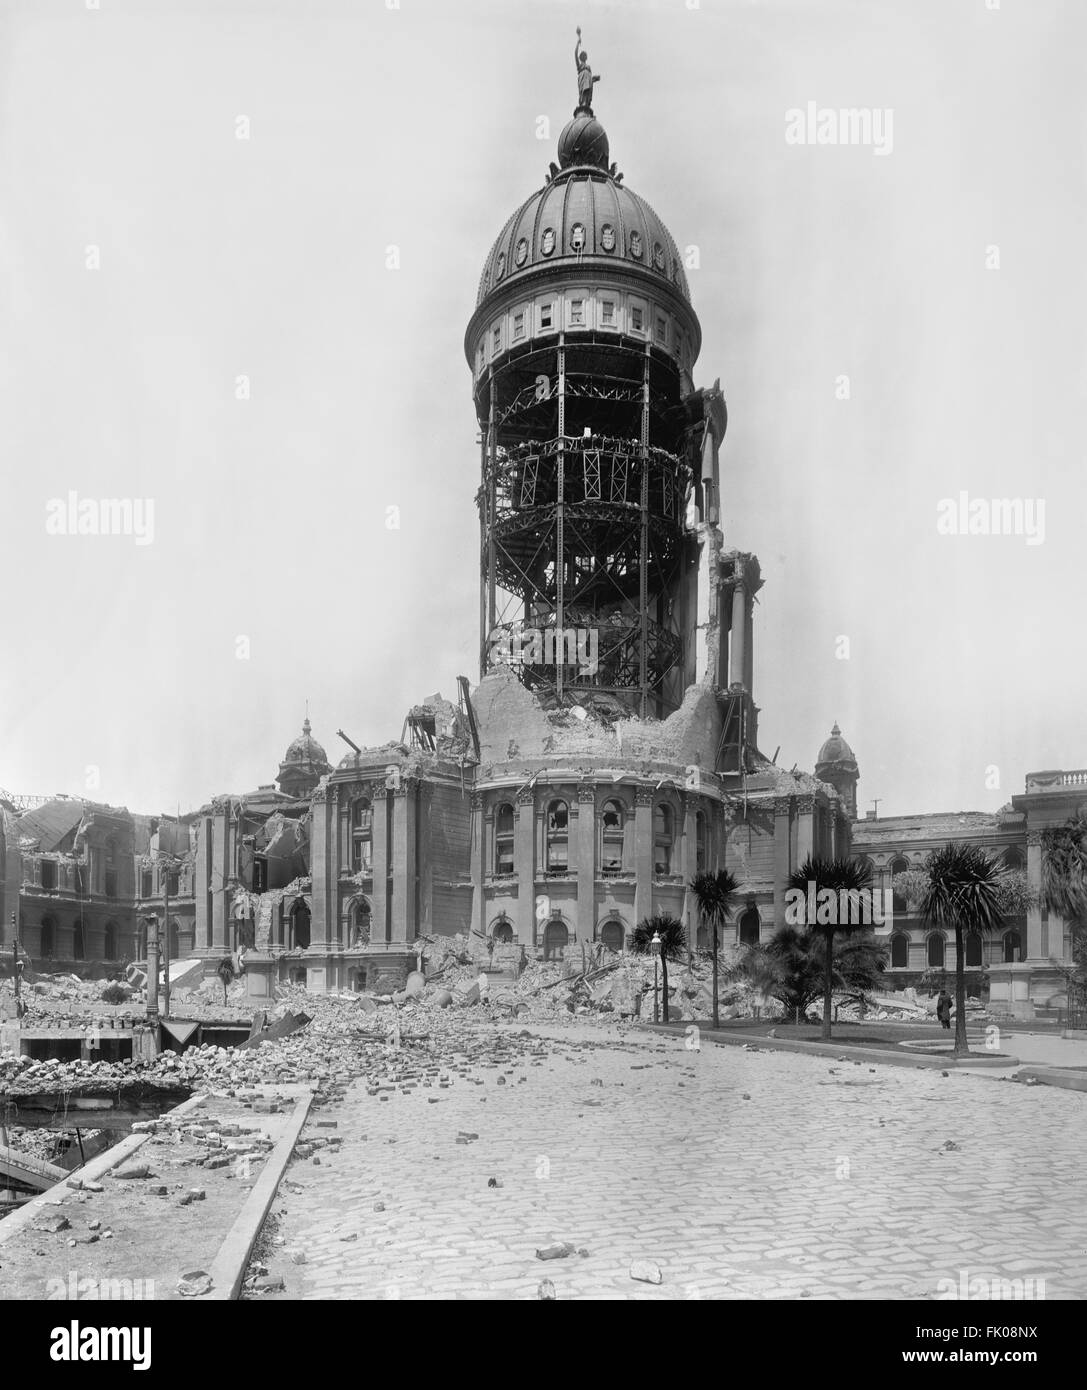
(49, 875)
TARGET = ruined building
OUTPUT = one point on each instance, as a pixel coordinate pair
(610, 750)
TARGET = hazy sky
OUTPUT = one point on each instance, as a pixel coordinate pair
(416, 127)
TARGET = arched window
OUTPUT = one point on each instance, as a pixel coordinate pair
(502, 932)
(79, 939)
(611, 936)
(362, 836)
(558, 837)
(503, 839)
(899, 865)
(175, 939)
(1013, 946)
(750, 927)
(555, 940)
(300, 922)
(612, 821)
(49, 875)
(900, 950)
(1013, 859)
(48, 938)
(662, 838)
(109, 886)
(974, 953)
(936, 946)
(109, 949)
(700, 843)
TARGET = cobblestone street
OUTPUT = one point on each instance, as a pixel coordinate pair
(741, 1174)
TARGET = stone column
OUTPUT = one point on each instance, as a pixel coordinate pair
(322, 836)
(379, 897)
(643, 853)
(222, 869)
(749, 643)
(805, 807)
(689, 865)
(524, 858)
(478, 840)
(738, 660)
(1033, 944)
(586, 862)
(403, 861)
(782, 858)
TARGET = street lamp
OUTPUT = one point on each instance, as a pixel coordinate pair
(656, 947)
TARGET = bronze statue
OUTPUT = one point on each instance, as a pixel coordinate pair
(585, 79)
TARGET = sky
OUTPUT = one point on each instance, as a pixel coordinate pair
(198, 309)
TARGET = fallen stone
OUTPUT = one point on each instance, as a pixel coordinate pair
(646, 1272)
(545, 1290)
(555, 1252)
(128, 1171)
(53, 1224)
(195, 1283)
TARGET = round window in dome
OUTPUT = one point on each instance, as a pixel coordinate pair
(577, 237)
(607, 237)
(521, 254)
(658, 255)
(636, 245)
(547, 241)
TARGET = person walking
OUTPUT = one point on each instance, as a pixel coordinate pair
(943, 1008)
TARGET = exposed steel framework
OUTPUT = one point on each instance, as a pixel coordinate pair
(585, 487)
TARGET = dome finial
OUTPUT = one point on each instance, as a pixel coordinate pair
(585, 79)
(305, 722)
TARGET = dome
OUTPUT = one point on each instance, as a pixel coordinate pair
(305, 749)
(835, 750)
(583, 214)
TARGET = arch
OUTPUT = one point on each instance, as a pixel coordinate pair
(556, 938)
(502, 931)
(899, 864)
(110, 942)
(749, 927)
(47, 946)
(663, 837)
(613, 817)
(79, 939)
(504, 822)
(612, 936)
(975, 954)
(1012, 947)
(1014, 861)
(362, 835)
(900, 950)
(558, 837)
(299, 925)
(935, 950)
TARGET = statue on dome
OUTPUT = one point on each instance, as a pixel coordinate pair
(585, 79)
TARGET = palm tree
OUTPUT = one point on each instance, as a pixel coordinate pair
(714, 894)
(964, 895)
(673, 943)
(1064, 869)
(839, 876)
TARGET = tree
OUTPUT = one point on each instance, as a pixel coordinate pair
(791, 966)
(839, 877)
(673, 944)
(225, 972)
(714, 894)
(964, 895)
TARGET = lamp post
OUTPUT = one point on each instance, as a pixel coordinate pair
(656, 945)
